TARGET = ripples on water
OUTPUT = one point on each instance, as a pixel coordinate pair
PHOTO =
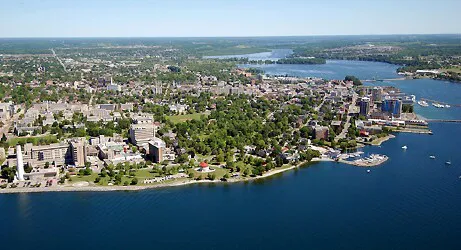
(410, 202)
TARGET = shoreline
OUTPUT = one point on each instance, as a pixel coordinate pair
(162, 185)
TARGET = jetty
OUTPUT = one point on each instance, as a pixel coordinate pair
(443, 121)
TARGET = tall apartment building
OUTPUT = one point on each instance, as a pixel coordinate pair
(77, 150)
(156, 150)
(142, 133)
(365, 106)
(392, 106)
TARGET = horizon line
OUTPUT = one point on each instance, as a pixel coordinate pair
(255, 36)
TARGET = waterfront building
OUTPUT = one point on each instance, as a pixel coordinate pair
(204, 167)
(392, 106)
(77, 149)
(142, 133)
(365, 106)
(377, 94)
(156, 150)
(71, 152)
(55, 154)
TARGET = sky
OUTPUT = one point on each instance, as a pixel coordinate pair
(210, 18)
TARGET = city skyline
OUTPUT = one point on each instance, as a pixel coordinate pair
(205, 18)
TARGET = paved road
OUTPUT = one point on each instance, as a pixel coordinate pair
(9, 123)
(343, 133)
(59, 60)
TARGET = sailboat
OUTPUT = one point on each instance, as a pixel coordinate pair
(404, 147)
(448, 162)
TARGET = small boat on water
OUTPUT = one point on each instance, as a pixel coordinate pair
(448, 163)
(432, 157)
(438, 105)
(404, 147)
(423, 103)
(368, 171)
(447, 106)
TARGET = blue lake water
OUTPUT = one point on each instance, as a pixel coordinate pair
(273, 55)
(444, 91)
(333, 69)
(409, 202)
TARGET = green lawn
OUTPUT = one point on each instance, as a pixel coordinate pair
(32, 139)
(219, 172)
(453, 69)
(141, 174)
(183, 118)
(88, 178)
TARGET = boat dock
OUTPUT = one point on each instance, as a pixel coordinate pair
(440, 102)
(443, 120)
(369, 161)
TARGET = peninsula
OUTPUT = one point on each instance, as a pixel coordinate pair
(157, 115)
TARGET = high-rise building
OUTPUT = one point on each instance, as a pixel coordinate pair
(78, 153)
(365, 106)
(156, 150)
(377, 94)
(392, 106)
(142, 133)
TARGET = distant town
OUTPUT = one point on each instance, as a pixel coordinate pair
(128, 117)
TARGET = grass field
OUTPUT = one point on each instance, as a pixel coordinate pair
(453, 69)
(32, 139)
(141, 174)
(88, 178)
(219, 173)
(183, 118)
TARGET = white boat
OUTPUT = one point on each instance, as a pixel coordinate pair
(404, 147)
(438, 105)
(368, 171)
(432, 157)
(448, 162)
(423, 103)
(447, 106)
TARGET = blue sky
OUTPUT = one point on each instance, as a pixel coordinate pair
(186, 18)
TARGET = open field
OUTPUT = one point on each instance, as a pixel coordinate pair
(456, 69)
(32, 139)
(183, 118)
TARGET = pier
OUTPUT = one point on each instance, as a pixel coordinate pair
(440, 102)
(382, 80)
(444, 120)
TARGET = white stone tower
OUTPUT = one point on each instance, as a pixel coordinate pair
(19, 164)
